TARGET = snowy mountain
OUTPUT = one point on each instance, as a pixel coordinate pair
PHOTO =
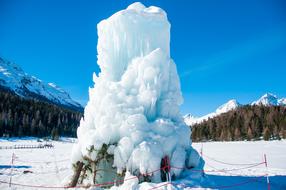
(282, 102)
(270, 99)
(14, 79)
(230, 105)
(190, 119)
(267, 99)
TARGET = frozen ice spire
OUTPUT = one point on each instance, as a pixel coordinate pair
(130, 33)
(133, 108)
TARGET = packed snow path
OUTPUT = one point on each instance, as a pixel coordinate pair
(50, 166)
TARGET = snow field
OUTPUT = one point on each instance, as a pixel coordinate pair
(44, 163)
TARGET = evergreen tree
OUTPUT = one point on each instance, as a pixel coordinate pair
(249, 134)
(244, 123)
(27, 117)
(55, 133)
(266, 134)
(237, 134)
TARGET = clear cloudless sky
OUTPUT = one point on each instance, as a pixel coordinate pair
(223, 49)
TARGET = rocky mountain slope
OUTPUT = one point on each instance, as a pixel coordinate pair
(14, 79)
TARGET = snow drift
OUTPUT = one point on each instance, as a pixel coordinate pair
(133, 108)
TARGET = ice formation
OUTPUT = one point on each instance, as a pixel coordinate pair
(133, 107)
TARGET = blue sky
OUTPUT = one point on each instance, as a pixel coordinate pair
(223, 49)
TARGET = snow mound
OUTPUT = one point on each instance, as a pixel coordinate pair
(133, 107)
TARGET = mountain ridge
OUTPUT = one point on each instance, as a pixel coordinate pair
(15, 80)
(267, 99)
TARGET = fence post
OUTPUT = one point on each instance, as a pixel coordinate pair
(12, 166)
(267, 177)
(201, 152)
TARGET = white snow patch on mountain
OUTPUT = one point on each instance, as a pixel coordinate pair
(267, 99)
(24, 85)
(282, 101)
(230, 105)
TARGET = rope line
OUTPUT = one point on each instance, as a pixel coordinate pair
(156, 187)
(222, 170)
(25, 161)
(231, 164)
(133, 177)
(167, 166)
(35, 173)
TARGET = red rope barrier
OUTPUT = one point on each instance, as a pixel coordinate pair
(166, 167)
(156, 187)
(165, 184)
(25, 161)
(94, 185)
(41, 186)
(223, 170)
(111, 183)
(231, 164)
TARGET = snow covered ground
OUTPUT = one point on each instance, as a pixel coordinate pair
(49, 167)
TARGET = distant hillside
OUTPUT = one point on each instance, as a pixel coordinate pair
(230, 105)
(30, 117)
(243, 123)
(267, 99)
(13, 78)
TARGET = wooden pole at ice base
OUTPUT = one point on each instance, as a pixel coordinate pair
(267, 177)
(169, 179)
(166, 168)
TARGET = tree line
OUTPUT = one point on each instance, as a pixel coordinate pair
(30, 117)
(244, 123)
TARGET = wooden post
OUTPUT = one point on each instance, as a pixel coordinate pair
(267, 177)
(79, 166)
(169, 185)
(94, 173)
(11, 171)
(201, 152)
(82, 176)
